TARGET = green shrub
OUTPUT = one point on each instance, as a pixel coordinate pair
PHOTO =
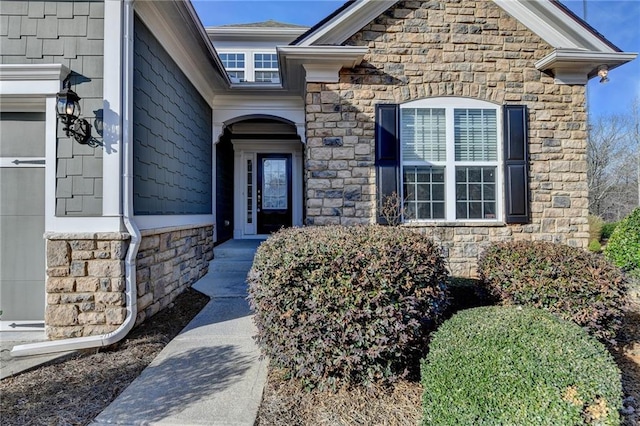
(595, 227)
(594, 246)
(517, 366)
(623, 248)
(570, 282)
(345, 305)
(607, 229)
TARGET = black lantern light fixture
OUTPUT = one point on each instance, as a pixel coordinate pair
(603, 73)
(68, 110)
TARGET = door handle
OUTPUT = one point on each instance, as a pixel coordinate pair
(259, 200)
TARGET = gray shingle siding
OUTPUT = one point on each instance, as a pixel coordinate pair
(172, 135)
(68, 33)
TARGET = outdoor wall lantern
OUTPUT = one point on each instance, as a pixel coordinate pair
(603, 72)
(68, 110)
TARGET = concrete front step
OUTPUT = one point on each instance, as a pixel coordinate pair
(223, 266)
(236, 250)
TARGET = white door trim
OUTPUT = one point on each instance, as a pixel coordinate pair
(246, 149)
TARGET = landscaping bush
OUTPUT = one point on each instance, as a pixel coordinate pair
(623, 248)
(345, 305)
(594, 246)
(518, 366)
(595, 227)
(607, 229)
(570, 282)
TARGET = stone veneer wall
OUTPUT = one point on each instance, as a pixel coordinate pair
(85, 283)
(170, 260)
(448, 48)
(86, 276)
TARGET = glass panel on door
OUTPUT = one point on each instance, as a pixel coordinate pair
(274, 184)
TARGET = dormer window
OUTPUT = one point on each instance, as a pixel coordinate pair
(248, 66)
(234, 63)
(266, 68)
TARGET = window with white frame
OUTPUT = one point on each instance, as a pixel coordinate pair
(234, 64)
(450, 163)
(266, 67)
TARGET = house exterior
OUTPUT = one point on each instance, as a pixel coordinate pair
(472, 113)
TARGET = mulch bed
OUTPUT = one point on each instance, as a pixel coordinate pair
(75, 390)
(287, 403)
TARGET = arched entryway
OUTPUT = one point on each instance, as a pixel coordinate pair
(259, 178)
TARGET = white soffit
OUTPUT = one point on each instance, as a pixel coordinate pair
(571, 66)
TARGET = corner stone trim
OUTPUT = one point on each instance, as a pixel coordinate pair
(85, 283)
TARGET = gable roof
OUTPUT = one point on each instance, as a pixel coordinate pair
(264, 24)
(579, 50)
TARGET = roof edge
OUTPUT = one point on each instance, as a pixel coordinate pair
(320, 24)
(584, 24)
(549, 19)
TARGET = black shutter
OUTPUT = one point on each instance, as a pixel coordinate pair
(516, 164)
(387, 154)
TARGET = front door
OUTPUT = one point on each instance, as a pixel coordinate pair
(274, 192)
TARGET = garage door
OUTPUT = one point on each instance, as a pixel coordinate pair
(22, 247)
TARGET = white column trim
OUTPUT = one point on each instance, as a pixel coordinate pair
(216, 133)
(322, 73)
(112, 109)
(51, 145)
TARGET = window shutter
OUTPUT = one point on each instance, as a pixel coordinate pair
(387, 155)
(516, 164)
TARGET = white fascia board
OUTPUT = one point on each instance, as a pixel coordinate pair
(31, 79)
(321, 64)
(554, 26)
(570, 66)
(345, 56)
(251, 85)
(244, 34)
(347, 23)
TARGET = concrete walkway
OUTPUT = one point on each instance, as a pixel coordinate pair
(211, 373)
(9, 365)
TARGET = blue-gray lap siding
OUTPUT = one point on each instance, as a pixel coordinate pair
(172, 135)
(70, 33)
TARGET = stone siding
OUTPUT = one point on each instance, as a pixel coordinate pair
(86, 276)
(170, 260)
(469, 49)
(70, 33)
(85, 284)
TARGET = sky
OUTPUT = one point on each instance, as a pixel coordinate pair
(617, 20)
